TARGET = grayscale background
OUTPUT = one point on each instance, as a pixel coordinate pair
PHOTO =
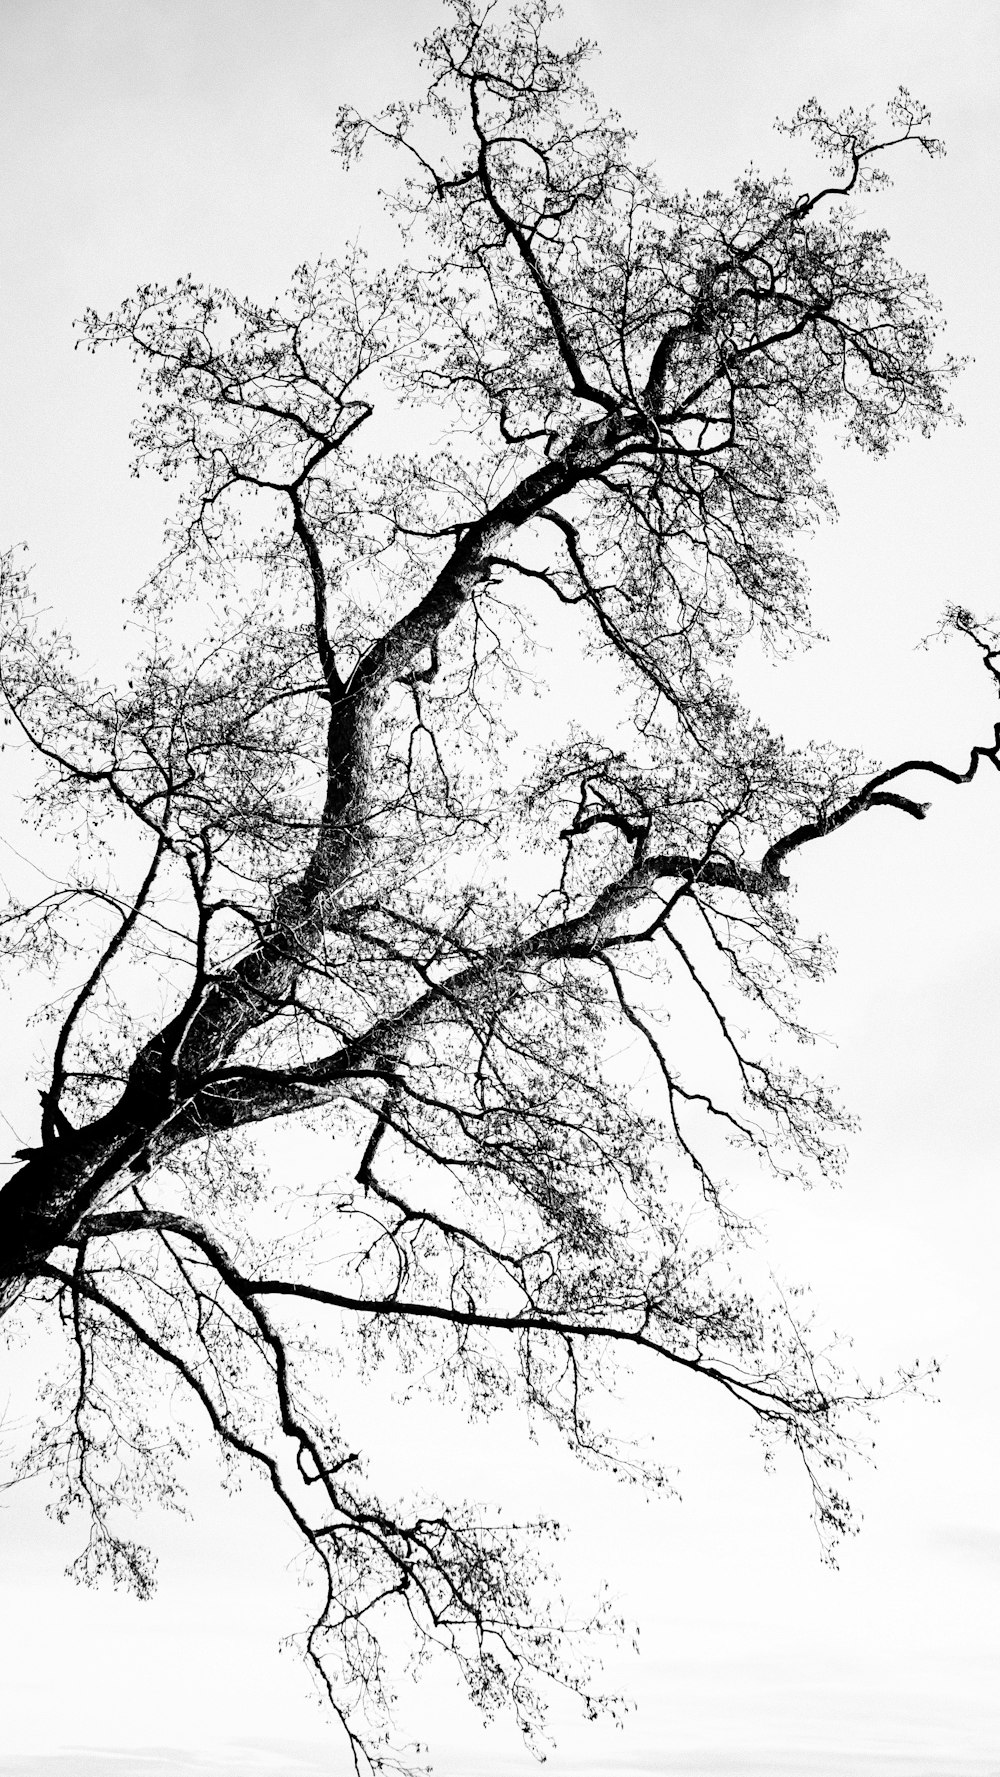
(144, 138)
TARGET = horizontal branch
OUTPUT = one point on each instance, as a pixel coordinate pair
(766, 1402)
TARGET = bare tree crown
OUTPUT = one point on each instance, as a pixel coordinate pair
(334, 879)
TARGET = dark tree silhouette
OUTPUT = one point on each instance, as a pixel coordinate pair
(336, 866)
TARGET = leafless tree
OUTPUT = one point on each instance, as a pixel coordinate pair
(335, 864)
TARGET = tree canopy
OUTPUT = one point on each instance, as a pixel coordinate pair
(351, 851)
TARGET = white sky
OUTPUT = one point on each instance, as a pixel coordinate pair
(143, 139)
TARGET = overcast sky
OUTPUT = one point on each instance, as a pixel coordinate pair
(144, 139)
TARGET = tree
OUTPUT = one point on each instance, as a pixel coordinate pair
(379, 896)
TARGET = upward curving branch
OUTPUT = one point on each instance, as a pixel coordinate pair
(388, 902)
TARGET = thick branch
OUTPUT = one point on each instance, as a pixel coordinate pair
(765, 1400)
